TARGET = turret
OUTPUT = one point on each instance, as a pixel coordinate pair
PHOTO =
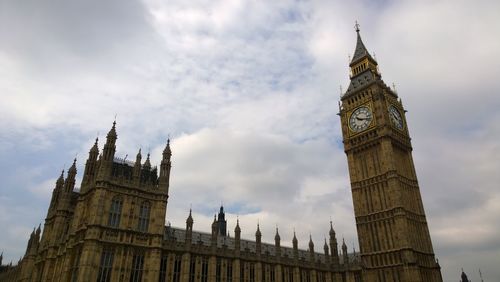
(189, 229)
(56, 192)
(237, 236)
(258, 243)
(464, 277)
(90, 166)
(108, 154)
(214, 233)
(137, 166)
(147, 163)
(333, 245)
(222, 223)
(69, 184)
(277, 241)
(295, 244)
(311, 248)
(344, 252)
(327, 255)
(165, 167)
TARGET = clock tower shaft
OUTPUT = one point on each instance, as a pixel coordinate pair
(393, 235)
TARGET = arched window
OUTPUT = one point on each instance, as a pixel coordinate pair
(143, 223)
(115, 212)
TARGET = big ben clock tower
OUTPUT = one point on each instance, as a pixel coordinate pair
(392, 229)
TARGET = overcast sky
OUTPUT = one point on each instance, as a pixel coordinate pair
(248, 92)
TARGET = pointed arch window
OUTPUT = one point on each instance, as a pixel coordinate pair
(144, 212)
(115, 212)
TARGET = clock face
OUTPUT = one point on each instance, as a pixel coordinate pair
(395, 117)
(360, 119)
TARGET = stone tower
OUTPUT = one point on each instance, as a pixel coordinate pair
(392, 229)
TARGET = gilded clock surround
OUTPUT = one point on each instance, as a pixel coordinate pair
(349, 114)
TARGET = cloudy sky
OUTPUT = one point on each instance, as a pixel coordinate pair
(248, 92)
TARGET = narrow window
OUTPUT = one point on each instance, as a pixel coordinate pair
(271, 274)
(137, 268)
(242, 271)
(218, 270)
(105, 266)
(263, 273)
(229, 269)
(115, 212)
(144, 217)
(192, 267)
(252, 272)
(163, 268)
(177, 268)
(204, 269)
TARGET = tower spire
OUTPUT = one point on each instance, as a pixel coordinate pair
(69, 184)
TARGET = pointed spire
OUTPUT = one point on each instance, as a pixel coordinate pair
(60, 180)
(237, 229)
(311, 244)
(360, 52)
(69, 184)
(167, 152)
(257, 233)
(139, 155)
(332, 232)
(112, 131)
(147, 163)
(189, 220)
(325, 247)
(95, 148)
(277, 237)
(294, 240)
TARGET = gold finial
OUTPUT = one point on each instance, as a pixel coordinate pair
(356, 26)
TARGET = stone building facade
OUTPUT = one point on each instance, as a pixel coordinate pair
(393, 235)
(113, 227)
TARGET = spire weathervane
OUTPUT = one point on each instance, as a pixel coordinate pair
(356, 26)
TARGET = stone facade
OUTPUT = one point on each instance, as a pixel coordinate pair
(113, 229)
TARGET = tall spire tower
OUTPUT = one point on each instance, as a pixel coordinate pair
(394, 239)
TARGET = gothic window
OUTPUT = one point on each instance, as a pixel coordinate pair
(272, 274)
(144, 217)
(242, 271)
(229, 271)
(218, 270)
(115, 212)
(252, 272)
(177, 268)
(137, 267)
(163, 268)
(192, 268)
(204, 269)
(105, 266)
(263, 273)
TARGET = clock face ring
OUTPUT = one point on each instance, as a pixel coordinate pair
(396, 118)
(360, 119)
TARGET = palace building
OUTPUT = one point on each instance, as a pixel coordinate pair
(113, 227)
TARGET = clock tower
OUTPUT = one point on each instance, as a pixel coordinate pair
(392, 229)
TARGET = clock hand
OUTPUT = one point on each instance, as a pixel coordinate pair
(358, 118)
